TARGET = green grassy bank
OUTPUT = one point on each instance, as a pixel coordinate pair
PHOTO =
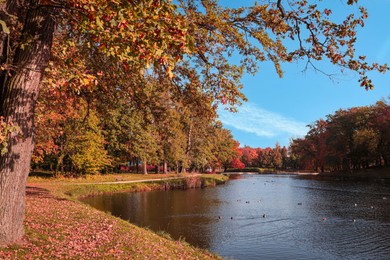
(100, 184)
(254, 169)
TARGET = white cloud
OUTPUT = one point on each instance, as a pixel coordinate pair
(261, 122)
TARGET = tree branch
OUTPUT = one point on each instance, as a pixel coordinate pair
(281, 9)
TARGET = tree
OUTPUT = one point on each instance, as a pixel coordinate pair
(302, 151)
(86, 146)
(25, 43)
(317, 136)
(285, 158)
(277, 156)
(381, 122)
(19, 92)
(236, 160)
(347, 140)
(248, 156)
(143, 138)
(224, 147)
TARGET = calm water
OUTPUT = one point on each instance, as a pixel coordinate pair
(268, 217)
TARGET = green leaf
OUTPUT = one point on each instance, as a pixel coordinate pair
(4, 27)
(113, 23)
(4, 150)
(99, 23)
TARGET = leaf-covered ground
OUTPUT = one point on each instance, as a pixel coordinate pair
(63, 229)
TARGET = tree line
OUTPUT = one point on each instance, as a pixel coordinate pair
(276, 158)
(106, 132)
(349, 139)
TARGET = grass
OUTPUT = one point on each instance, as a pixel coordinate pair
(97, 178)
(58, 226)
(254, 169)
(98, 184)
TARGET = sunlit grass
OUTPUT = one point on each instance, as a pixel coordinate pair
(110, 183)
(92, 178)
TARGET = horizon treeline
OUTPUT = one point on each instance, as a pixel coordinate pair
(350, 139)
(90, 136)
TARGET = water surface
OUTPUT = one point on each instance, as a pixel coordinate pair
(267, 217)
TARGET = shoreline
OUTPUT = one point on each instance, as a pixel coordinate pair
(374, 174)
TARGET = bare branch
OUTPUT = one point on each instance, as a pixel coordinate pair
(281, 9)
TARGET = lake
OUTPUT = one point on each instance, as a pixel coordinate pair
(267, 217)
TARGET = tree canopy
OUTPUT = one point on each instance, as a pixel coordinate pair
(351, 139)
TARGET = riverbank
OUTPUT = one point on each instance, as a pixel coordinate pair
(75, 188)
(58, 226)
(373, 174)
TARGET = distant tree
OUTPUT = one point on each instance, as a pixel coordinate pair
(86, 146)
(285, 158)
(224, 147)
(302, 151)
(348, 140)
(249, 156)
(236, 160)
(381, 123)
(317, 136)
(237, 164)
(277, 157)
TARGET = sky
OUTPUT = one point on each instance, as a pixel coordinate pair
(279, 109)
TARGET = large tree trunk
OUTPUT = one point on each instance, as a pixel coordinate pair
(17, 101)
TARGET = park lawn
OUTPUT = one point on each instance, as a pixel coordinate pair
(60, 227)
(73, 188)
(93, 178)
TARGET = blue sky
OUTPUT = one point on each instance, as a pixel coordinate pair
(279, 109)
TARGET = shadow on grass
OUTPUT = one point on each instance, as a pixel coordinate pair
(42, 174)
(40, 193)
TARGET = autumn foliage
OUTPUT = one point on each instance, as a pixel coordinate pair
(351, 139)
(276, 158)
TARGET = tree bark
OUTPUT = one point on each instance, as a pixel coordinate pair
(165, 168)
(137, 170)
(144, 167)
(19, 93)
(189, 140)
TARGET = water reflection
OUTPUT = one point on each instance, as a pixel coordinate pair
(178, 213)
(268, 217)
